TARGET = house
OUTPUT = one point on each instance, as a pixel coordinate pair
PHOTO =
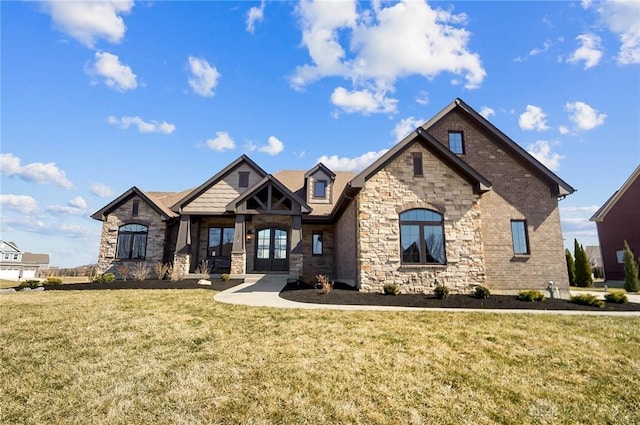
(456, 202)
(16, 264)
(617, 220)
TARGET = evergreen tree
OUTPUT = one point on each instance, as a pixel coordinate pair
(631, 280)
(571, 267)
(583, 276)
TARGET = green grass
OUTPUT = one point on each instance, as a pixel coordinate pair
(178, 357)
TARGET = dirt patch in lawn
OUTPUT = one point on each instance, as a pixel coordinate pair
(216, 285)
(342, 295)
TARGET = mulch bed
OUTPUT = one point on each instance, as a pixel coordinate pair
(343, 295)
(216, 285)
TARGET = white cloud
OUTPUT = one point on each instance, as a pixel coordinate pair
(36, 172)
(363, 101)
(359, 163)
(590, 210)
(590, 51)
(46, 228)
(204, 77)
(584, 116)
(622, 17)
(21, 203)
(406, 126)
(563, 129)
(100, 189)
(255, 14)
(378, 45)
(75, 206)
(87, 21)
(533, 119)
(143, 126)
(422, 98)
(545, 47)
(486, 112)
(273, 147)
(116, 75)
(541, 150)
(221, 142)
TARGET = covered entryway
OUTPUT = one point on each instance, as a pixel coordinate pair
(272, 250)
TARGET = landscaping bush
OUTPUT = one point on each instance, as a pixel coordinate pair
(631, 280)
(616, 297)
(587, 299)
(530, 296)
(441, 292)
(583, 276)
(391, 289)
(326, 284)
(225, 277)
(481, 292)
(31, 283)
(52, 280)
(104, 278)
(123, 270)
(161, 270)
(141, 271)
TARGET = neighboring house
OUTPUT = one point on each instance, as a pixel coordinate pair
(594, 255)
(16, 264)
(619, 220)
(456, 202)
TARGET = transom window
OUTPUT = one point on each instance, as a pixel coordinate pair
(519, 237)
(422, 237)
(132, 242)
(320, 188)
(456, 142)
(220, 241)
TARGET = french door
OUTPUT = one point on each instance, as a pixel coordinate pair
(272, 250)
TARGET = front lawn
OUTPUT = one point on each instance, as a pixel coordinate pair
(178, 357)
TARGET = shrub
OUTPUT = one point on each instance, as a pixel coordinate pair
(530, 296)
(161, 270)
(52, 280)
(203, 267)
(616, 297)
(441, 292)
(175, 274)
(583, 276)
(631, 281)
(225, 277)
(141, 271)
(104, 278)
(587, 299)
(123, 270)
(571, 266)
(30, 283)
(391, 289)
(481, 292)
(598, 273)
(326, 284)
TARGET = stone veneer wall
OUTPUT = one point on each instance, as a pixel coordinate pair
(345, 246)
(395, 189)
(518, 193)
(123, 215)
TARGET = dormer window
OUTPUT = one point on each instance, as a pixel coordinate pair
(320, 189)
(243, 177)
(456, 142)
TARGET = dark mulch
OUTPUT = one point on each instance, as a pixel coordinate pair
(341, 294)
(216, 285)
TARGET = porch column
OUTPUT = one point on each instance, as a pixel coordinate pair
(238, 251)
(296, 258)
(182, 256)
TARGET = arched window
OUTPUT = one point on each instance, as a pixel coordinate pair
(422, 237)
(132, 242)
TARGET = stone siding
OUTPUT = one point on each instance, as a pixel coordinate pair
(518, 193)
(394, 189)
(123, 215)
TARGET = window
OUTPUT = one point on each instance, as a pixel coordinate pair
(519, 237)
(220, 241)
(320, 188)
(7, 256)
(417, 164)
(620, 256)
(132, 242)
(422, 237)
(15, 256)
(244, 179)
(316, 242)
(456, 144)
(136, 207)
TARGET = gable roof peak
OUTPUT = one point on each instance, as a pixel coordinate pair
(320, 166)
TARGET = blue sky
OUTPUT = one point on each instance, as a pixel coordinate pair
(100, 96)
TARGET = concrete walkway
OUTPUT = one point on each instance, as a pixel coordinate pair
(263, 291)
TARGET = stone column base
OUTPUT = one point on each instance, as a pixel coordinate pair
(239, 262)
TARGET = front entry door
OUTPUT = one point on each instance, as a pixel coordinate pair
(272, 250)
